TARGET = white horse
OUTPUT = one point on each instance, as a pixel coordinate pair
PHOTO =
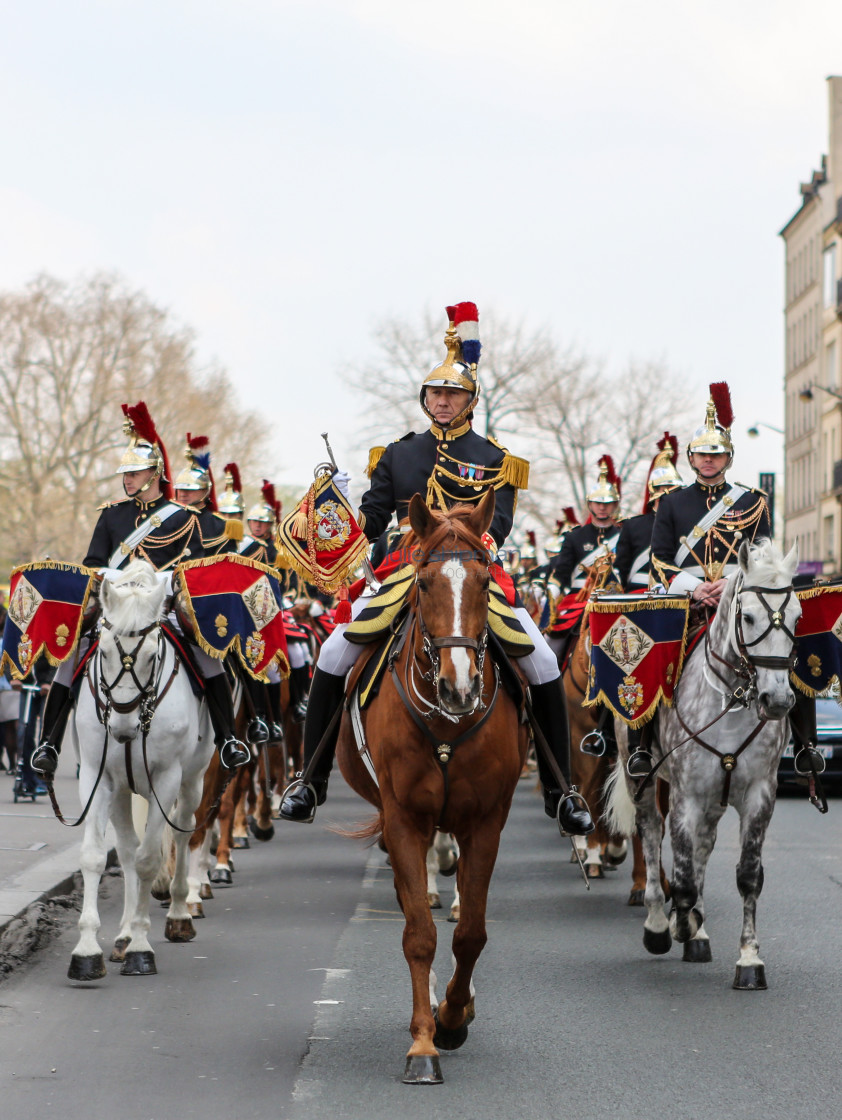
(137, 697)
(720, 745)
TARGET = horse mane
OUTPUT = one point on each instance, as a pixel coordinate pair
(767, 563)
(134, 604)
(450, 527)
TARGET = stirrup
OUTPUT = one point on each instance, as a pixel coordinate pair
(639, 764)
(232, 754)
(593, 744)
(299, 712)
(44, 760)
(294, 786)
(258, 731)
(813, 762)
(576, 796)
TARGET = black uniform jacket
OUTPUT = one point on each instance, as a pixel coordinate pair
(444, 467)
(632, 556)
(176, 539)
(682, 510)
(264, 552)
(577, 546)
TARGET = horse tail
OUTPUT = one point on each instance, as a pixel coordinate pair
(370, 831)
(620, 814)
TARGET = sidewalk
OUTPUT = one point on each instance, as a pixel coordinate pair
(38, 855)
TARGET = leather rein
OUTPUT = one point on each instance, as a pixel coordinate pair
(745, 693)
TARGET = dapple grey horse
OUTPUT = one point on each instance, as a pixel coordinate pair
(720, 745)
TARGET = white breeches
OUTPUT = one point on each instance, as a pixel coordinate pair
(299, 654)
(338, 654)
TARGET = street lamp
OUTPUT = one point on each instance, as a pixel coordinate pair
(808, 395)
(754, 430)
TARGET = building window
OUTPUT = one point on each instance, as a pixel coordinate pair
(828, 538)
(830, 376)
(829, 287)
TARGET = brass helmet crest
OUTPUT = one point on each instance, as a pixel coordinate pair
(231, 501)
(459, 368)
(196, 476)
(609, 485)
(714, 436)
(146, 449)
(268, 508)
(663, 474)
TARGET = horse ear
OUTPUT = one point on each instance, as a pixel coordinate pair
(480, 520)
(158, 596)
(420, 517)
(743, 556)
(791, 558)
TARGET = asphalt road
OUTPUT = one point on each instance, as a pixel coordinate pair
(293, 1000)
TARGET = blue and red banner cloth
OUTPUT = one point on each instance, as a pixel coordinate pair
(47, 602)
(321, 540)
(637, 653)
(818, 639)
(236, 603)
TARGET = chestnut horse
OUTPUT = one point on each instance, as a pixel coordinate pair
(447, 747)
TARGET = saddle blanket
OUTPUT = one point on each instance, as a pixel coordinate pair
(818, 636)
(637, 653)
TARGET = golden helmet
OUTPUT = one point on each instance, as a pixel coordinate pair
(231, 500)
(196, 476)
(714, 436)
(663, 474)
(146, 450)
(609, 486)
(459, 368)
(267, 509)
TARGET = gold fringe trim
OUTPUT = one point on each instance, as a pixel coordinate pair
(822, 589)
(374, 457)
(639, 602)
(515, 471)
(813, 692)
(234, 530)
(640, 720)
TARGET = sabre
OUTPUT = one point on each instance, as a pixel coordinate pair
(370, 578)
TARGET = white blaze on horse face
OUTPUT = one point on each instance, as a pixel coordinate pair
(455, 572)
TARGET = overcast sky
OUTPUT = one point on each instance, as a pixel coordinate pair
(282, 174)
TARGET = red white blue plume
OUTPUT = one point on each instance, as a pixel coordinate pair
(465, 318)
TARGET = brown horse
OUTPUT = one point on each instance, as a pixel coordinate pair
(441, 700)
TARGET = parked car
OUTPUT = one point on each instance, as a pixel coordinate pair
(829, 729)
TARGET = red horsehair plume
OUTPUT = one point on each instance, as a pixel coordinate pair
(278, 508)
(672, 441)
(268, 492)
(144, 428)
(196, 443)
(530, 533)
(721, 395)
(570, 515)
(234, 471)
(612, 475)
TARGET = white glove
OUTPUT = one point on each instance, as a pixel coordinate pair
(341, 480)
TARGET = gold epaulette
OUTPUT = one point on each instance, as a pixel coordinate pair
(105, 505)
(233, 529)
(374, 457)
(752, 489)
(515, 471)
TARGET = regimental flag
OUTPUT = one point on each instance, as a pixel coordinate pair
(321, 539)
(236, 603)
(818, 636)
(637, 653)
(47, 602)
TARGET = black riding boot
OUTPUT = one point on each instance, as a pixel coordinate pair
(802, 720)
(258, 728)
(639, 762)
(44, 759)
(327, 693)
(550, 713)
(232, 753)
(299, 688)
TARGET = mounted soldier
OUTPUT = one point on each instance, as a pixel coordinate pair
(194, 487)
(448, 463)
(148, 525)
(699, 528)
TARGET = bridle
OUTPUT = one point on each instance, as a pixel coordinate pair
(746, 668)
(147, 697)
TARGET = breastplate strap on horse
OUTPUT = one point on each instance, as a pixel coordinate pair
(711, 517)
(141, 533)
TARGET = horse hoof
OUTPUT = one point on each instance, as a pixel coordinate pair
(240, 842)
(614, 859)
(594, 871)
(750, 978)
(697, 951)
(423, 1070)
(260, 833)
(636, 898)
(161, 896)
(448, 871)
(196, 909)
(179, 929)
(657, 943)
(118, 953)
(205, 892)
(446, 1039)
(220, 877)
(139, 964)
(87, 968)
(435, 901)
(453, 916)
